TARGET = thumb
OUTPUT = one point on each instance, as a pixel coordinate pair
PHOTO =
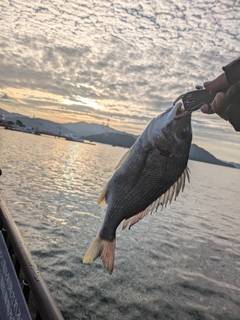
(217, 84)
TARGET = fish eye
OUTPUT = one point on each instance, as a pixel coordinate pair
(182, 133)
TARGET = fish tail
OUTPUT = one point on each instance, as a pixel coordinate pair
(104, 249)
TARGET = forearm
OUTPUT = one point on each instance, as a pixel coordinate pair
(232, 71)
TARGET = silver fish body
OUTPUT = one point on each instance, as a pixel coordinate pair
(149, 174)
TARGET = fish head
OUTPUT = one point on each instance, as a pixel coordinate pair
(171, 131)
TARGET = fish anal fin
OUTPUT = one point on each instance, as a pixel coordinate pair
(163, 200)
(103, 249)
(133, 220)
(171, 193)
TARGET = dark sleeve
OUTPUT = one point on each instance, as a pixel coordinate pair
(232, 71)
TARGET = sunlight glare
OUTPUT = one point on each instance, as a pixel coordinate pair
(83, 101)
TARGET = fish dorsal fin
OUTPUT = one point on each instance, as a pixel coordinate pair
(123, 159)
(102, 198)
(163, 200)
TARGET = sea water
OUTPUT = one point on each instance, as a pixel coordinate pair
(180, 263)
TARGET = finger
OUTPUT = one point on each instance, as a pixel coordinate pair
(217, 84)
(218, 106)
(205, 109)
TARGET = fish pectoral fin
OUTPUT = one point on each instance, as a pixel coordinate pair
(102, 198)
(103, 249)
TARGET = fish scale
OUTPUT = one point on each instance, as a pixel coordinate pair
(153, 170)
(134, 200)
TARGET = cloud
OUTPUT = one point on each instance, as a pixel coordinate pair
(133, 59)
(5, 96)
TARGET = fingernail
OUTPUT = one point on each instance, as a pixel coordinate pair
(206, 84)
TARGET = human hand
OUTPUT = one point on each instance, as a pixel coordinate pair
(217, 106)
(227, 102)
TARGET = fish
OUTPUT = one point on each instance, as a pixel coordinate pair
(150, 174)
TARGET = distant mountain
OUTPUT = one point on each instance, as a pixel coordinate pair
(39, 124)
(104, 134)
(79, 128)
(200, 154)
(86, 129)
(115, 139)
(126, 141)
(10, 114)
(236, 165)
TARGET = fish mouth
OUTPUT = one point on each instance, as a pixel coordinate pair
(180, 112)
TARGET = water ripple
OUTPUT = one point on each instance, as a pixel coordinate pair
(182, 263)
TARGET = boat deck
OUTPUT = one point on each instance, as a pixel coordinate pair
(23, 292)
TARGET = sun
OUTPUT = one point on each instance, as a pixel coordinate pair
(83, 102)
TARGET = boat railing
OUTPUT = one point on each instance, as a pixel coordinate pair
(40, 303)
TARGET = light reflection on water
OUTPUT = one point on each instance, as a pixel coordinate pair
(181, 263)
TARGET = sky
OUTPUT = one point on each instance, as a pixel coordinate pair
(117, 62)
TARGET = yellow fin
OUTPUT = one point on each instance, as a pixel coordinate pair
(123, 159)
(103, 249)
(102, 197)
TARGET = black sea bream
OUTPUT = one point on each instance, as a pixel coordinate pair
(151, 173)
